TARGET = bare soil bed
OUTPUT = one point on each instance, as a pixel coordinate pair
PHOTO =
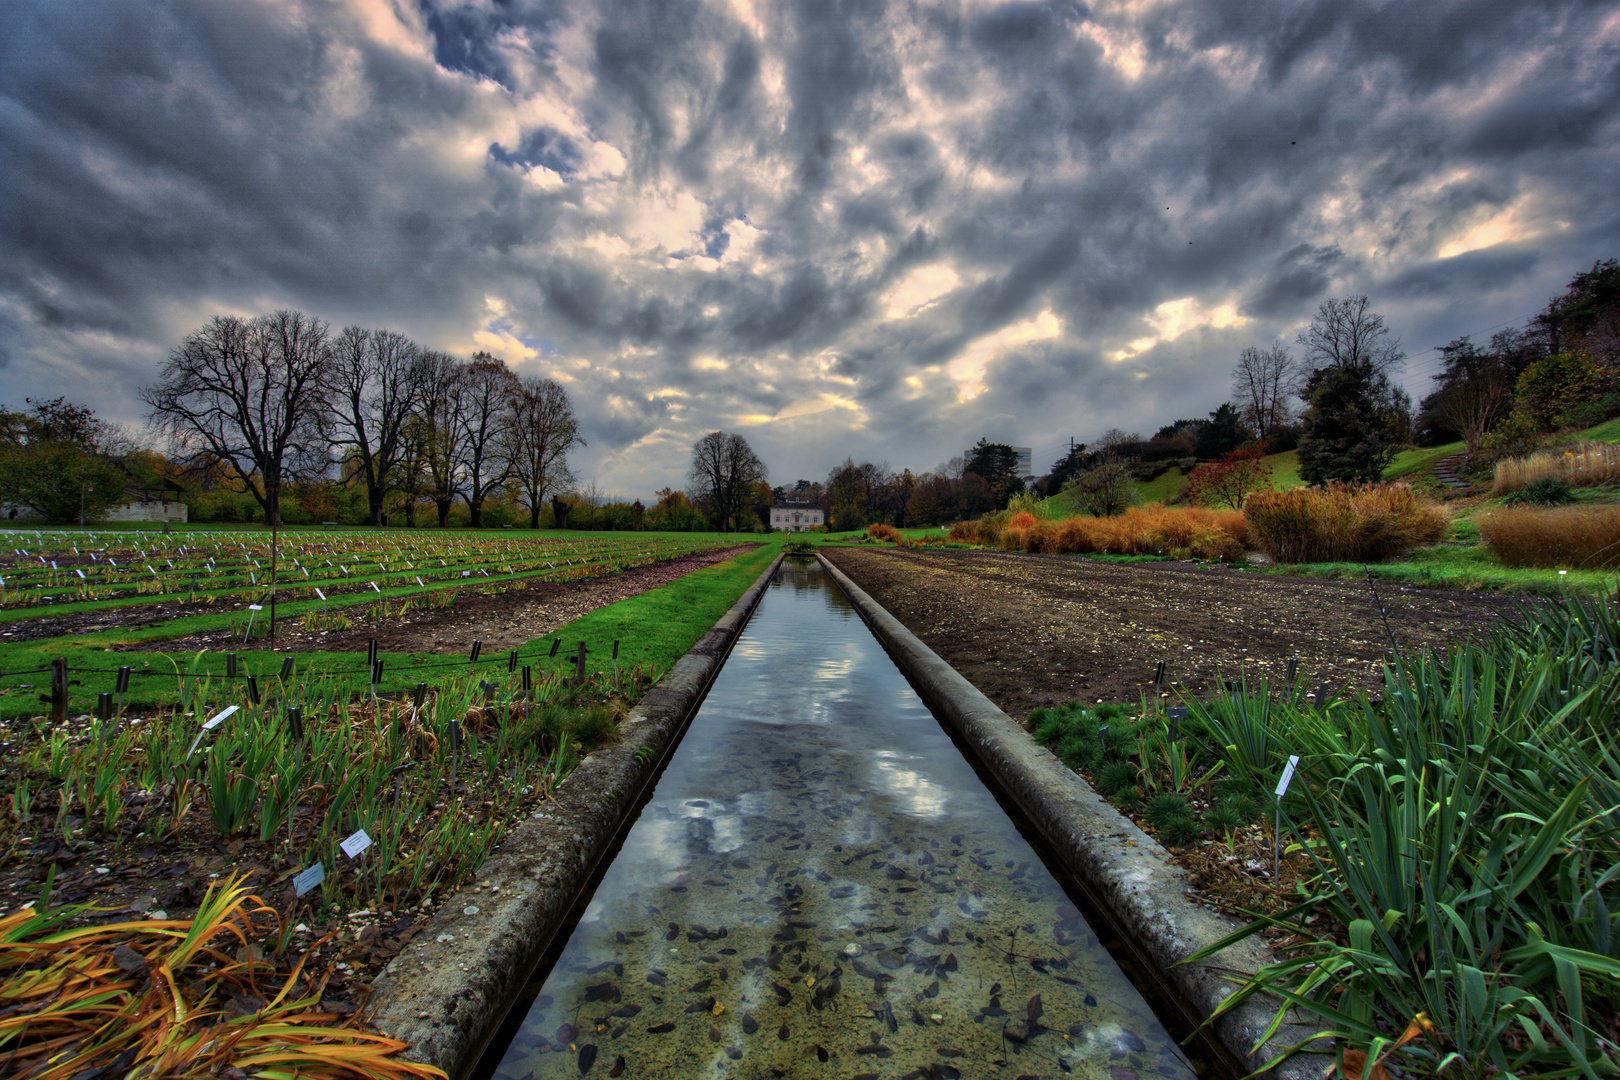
(1034, 630)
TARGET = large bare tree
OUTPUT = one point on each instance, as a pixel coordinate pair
(486, 422)
(1346, 334)
(251, 393)
(374, 376)
(544, 429)
(1264, 383)
(724, 469)
(441, 383)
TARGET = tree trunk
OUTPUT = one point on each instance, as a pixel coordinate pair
(444, 512)
(476, 511)
(534, 516)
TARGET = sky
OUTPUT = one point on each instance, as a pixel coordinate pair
(839, 227)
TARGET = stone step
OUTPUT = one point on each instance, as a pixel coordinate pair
(1444, 471)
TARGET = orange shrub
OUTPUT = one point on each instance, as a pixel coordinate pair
(887, 533)
(1141, 530)
(1572, 537)
(1343, 522)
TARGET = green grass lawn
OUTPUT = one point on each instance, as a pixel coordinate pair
(1451, 567)
(1163, 489)
(1420, 460)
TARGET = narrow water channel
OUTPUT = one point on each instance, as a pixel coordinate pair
(821, 886)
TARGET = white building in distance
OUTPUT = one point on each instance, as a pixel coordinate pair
(797, 516)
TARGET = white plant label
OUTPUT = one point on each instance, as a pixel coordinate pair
(255, 607)
(212, 723)
(308, 879)
(419, 584)
(219, 718)
(1287, 776)
(354, 845)
(321, 595)
(374, 588)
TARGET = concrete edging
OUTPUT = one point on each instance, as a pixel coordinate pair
(450, 988)
(1124, 868)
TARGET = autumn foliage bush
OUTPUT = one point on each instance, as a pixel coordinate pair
(1573, 537)
(886, 533)
(1229, 479)
(1343, 522)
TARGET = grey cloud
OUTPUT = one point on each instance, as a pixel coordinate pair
(181, 157)
(1296, 279)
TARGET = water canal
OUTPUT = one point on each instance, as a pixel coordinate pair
(822, 886)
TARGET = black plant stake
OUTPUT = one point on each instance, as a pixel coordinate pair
(1382, 614)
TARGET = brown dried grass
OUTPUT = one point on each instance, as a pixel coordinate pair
(1181, 532)
(1343, 522)
(173, 999)
(1582, 465)
(1565, 537)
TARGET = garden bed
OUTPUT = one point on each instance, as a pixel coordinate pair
(141, 856)
(1039, 630)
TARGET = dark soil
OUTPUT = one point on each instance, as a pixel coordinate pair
(1033, 630)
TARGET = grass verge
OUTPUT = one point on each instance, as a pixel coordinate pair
(1449, 567)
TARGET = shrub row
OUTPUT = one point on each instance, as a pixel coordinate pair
(1141, 530)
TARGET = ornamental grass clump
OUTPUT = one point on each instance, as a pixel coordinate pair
(1585, 464)
(1343, 522)
(1572, 537)
(185, 999)
(1464, 918)
(1181, 532)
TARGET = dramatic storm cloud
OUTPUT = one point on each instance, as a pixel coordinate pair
(838, 226)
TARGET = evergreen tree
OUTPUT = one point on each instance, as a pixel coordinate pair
(997, 464)
(1224, 433)
(1347, 433)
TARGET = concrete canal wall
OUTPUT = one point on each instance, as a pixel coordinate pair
(448, 991)
(1128, 874)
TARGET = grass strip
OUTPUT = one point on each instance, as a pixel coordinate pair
(1449, 567)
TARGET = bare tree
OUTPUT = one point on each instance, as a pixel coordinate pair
(1476, 391)
(251, 393)
(544, 429)
(724, 468)
(1345, 334)
(1263, 383)
(440, 386)
(374, 389)
(484, 460)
